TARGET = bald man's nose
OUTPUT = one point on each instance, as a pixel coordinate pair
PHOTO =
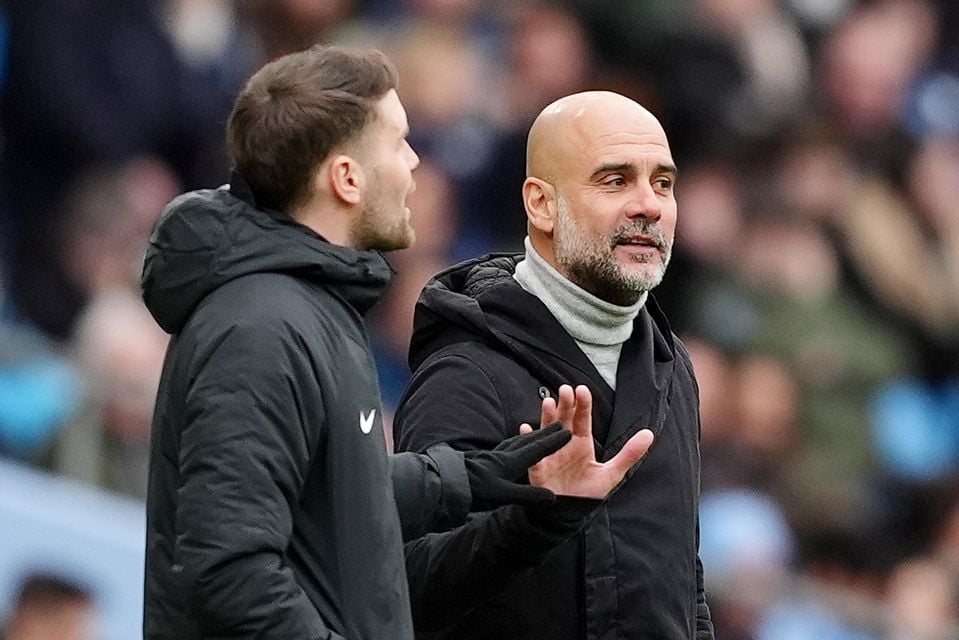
(646, 204)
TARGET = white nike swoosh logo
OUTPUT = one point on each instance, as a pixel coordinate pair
(366, 422)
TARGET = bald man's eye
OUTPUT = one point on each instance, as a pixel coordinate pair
(663, 184)
(615, 181)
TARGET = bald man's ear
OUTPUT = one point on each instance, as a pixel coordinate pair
(346, 178)
(539, 198)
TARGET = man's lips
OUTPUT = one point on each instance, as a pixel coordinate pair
(643, 241)
(640, 243)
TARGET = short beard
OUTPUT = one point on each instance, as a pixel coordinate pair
(368, 232)
(372, 230)
(591, 264)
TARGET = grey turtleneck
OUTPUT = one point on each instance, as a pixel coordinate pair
(599, 328)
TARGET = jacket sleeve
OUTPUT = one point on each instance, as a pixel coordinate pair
(431, 490)
(452, 572)
(243, 457)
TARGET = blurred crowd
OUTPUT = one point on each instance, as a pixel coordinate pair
(815, 277)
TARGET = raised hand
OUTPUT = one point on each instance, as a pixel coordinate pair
(573, 470)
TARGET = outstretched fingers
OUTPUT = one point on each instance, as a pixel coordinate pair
(631, 453)
(549, 412)
(582, 421)
(565, 406)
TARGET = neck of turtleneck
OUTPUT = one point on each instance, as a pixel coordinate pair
(599, 328)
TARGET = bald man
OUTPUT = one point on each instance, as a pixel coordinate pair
(495, 335)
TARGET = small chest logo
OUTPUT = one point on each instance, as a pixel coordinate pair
(366, 422)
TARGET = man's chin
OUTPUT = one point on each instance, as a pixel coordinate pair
(644, 271)
(647, 282)
(401, 240)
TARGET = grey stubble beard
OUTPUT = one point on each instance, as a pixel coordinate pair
(591, 263)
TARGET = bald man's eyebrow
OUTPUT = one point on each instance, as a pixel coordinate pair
(628, 169)
(665, 168)
(625, 168)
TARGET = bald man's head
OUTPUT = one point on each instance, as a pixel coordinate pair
(567, 126)
(599, 194)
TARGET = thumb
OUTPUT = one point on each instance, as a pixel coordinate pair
(631, 453)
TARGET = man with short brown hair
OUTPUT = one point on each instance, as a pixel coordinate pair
(287, 119)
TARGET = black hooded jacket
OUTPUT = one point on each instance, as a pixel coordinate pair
(486, 352)
(270, 509)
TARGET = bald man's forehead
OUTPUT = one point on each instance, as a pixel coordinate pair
(603, 117)
(600, 136)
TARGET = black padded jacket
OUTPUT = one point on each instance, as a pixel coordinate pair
(270, 509)
(484, 354)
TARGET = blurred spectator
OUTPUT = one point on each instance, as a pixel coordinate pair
(923, 601)
(51, 608)
(747, 548)
(868, 65)
(854, 560)
(88, 82)
(119, 349)
(768, 419)
(116, 345)
(717, 384)
(107, 219)
(749, 407)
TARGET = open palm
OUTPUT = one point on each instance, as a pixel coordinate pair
(573, 470)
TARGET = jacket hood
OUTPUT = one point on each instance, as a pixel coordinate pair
(206, 238)
(449, 303)
(480, 298)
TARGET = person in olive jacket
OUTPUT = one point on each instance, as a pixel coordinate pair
(494, 335)
(273, 508)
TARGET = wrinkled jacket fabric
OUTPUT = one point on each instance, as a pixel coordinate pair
(270, 510)
(486, 352)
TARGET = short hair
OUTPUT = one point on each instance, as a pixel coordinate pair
(298, 109)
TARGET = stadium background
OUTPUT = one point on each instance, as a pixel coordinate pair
(815, 276)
